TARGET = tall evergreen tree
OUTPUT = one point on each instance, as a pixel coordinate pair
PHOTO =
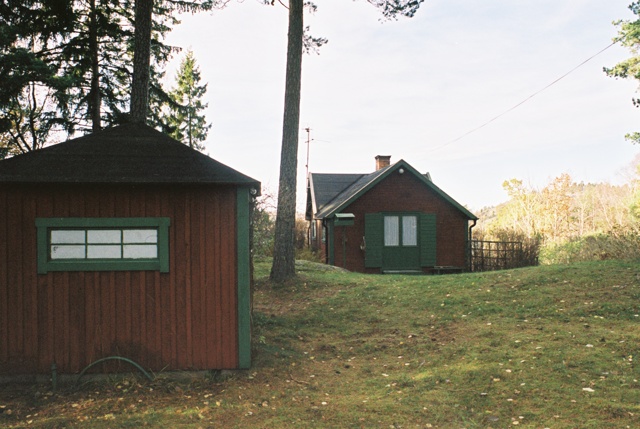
(98, 54)
(142, 80)
(33, 87)
(629, 36)
(186, 120)
(106, 70)
(141, 61)
(283, 266)
(284, 252)
(66, 65)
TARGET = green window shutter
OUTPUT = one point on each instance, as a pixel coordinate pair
(427, 239)
(374, 234)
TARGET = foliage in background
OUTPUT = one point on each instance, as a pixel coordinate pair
(263, 224)
(34, 99)
(629, 36)
(67, 66)
(572, 221)
(301, 233)
(616, 244)
(264, 228)
(98, 54)
(505, 249)
(185, 120)
(302, 249)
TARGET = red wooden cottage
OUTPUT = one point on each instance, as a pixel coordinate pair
(123, 243)
(394, 220)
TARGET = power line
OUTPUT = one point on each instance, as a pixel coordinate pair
(523, 101)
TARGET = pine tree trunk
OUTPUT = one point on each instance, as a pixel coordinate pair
(283, 266)
(95, 100)
(141, 61)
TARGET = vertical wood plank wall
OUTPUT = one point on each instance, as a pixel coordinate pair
(184, 319)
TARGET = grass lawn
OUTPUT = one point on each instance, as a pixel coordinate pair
(544, 347)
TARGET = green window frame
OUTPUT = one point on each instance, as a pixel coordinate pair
(103, 244)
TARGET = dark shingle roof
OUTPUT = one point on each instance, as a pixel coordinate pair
(344, 194)
(329, 186)
(330, 193)
(130, 153)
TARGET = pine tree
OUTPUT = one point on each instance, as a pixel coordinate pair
(186, 119)
(284, 252)
(66, 66)
(629, 36)
(33, 85)
(98, 55)
(283, 267)
(153, 16)
(139, 106)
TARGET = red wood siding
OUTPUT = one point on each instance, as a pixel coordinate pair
(184, 319)
(403, 193)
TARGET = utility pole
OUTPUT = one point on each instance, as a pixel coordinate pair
(308, 130)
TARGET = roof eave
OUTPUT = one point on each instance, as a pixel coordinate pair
(317, 209)
(130, 153)
(390, 169)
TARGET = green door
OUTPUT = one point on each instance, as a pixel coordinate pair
(400, 241)
(401, 249)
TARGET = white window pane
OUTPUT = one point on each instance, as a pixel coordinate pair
(391, 231)
(104, 252)
(409, 231)
(67, 251)
(62, 236)
(103, 236)
(140, 251)
(140, 236)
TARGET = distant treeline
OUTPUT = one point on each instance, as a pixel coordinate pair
(570, 221)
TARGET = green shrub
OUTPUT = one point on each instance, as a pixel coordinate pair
(308, 254)
(617, 244)
(263, 226)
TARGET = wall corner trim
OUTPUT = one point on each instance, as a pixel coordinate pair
(244, 277)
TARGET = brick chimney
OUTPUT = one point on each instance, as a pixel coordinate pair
(382, 161)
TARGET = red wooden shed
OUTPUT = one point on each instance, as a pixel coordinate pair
(124, 243)
(394, 220)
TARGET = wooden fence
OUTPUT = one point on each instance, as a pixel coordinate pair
(500, 255)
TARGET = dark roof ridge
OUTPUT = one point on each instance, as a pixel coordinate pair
(129, 153)
(353, 192)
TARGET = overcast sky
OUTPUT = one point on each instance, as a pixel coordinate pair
(411, 88)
